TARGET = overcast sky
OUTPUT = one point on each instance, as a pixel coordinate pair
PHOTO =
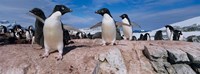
(150, 14)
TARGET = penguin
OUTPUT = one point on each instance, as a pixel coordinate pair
(118, 34)
(31, 31)
(146, 37)
(28, 35)
(38, 38)
(127, 29)
(177, 35)
(134, 38)
(170, 31)
(79, 35)
(141, 37)
(3, 29)
(11, 36)
(53, 31)
(11, 33)
(89, 36)
(158, 35)
(108, 27)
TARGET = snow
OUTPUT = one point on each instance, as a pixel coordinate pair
(195, 20)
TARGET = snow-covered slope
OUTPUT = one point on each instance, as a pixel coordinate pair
(188, 22)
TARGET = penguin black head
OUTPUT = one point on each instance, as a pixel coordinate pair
(30, 27)
(37, 11)
(63, 9)
(170, 27)
(124, 16)
(103, 11)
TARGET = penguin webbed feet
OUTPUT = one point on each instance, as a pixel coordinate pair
(45, 55)
(106, 44)
(59, 57)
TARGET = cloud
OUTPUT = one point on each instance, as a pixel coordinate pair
(16, 10)
(149, 13)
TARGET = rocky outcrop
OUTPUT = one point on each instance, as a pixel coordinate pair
(193, 38)
(89, 57)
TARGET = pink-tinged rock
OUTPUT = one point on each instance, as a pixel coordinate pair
(81, 57)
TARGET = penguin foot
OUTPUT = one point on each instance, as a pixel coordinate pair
(59, 57)
(104, 44)
(45, 56)
(113, 44)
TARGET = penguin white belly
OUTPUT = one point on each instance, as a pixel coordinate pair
(53, 34)
(127, 31)
(168, 32)
(181, 38)
(28, 37)
(108, 32)
(108, 29)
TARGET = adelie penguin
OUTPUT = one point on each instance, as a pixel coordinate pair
(53, 31)
(177, 36)
(147, 37)
(158, 35)
(170, 31)
(108, 27)
(110, 32)
(39, 38)
(127, 27)
(39, 23)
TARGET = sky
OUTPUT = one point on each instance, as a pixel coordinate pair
(149, 14)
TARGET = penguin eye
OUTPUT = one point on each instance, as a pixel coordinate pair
(62, 8)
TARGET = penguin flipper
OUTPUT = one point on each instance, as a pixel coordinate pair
(96, 25)
(120, 24)
(135, 24)
(37, 17)
(66, 27)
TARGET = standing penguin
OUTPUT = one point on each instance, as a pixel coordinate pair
(108, 26)
(170, 31)
(127, 29)
(53, 31)
(177, 35)
(39, 38)
(28, 35)
(141, 37)
(146, 37)
(127, 26)
(158, 35)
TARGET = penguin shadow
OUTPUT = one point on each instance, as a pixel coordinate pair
(68, 49)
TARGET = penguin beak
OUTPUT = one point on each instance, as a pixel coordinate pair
(70, 10)
(96, 12)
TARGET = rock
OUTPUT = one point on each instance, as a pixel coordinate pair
(193, 38)
(159, 67)
(193, 54)
(155, 52)
(196, 68)
(183, 69)
(87, 56)
(169, 68)
(111, 62)
(177, 56)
